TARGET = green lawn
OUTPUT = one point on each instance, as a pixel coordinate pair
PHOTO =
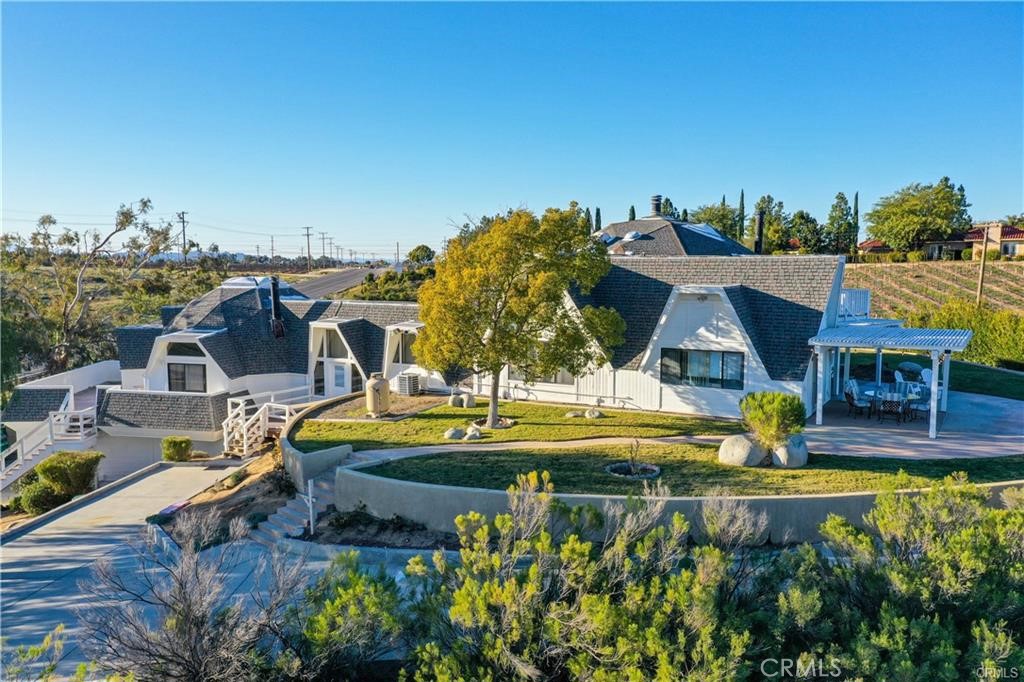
(962, 376)
(687, 470)
(536, 422)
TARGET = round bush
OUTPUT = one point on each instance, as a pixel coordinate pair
(40, 497)
(915, 256)
(967, 254)
(70, 473)
(772, 416)
(176, 448)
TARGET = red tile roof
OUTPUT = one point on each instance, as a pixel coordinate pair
(1005, 232)
(871, 244)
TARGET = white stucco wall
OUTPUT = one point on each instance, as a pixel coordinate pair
(126, 454)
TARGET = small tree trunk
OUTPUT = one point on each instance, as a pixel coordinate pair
(492, 407)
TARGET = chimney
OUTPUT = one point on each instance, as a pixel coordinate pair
(276, 322)
(656, 204)
(759, 233)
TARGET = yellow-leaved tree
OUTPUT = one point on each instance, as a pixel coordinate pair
(501, 298)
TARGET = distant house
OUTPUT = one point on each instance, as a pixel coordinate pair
(873, 246)
(1009, 240)
(660, 235)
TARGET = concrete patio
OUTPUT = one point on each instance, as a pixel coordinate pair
(973, 426)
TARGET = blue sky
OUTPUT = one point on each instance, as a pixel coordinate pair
(379, 123)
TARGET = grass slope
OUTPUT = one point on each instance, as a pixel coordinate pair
(898, 286)
(688, 470)
(536, 422)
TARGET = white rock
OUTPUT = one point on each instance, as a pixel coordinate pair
(574, 415)
(593, 413)
(455, 400)
(454, 433)
(469, 400)
(791, 454)
(741, 450)
(472, 435)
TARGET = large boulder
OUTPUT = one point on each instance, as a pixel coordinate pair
(593, 413)
(455, 400)
(791, 454)
(472, 434)
(742, 451)
(454, 433)
(469, 400)
(574, 414)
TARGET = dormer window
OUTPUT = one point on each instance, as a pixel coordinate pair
(186, 377)
(184, 349)
(403, 350)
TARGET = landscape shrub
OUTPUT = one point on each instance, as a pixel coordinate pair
(176, 448)
(14, 506)
(773, 416)
(897, 257)
(916, 256)
(40, 497)
(967, 254)
(996, 331)
(993, 254)
(1019, 257)
(70, 473)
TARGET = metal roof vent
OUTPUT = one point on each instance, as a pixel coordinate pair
(632, 236)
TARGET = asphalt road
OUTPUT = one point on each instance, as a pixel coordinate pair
(319, 287)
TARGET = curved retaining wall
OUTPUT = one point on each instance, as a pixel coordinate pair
(791, 518)
(303, 466)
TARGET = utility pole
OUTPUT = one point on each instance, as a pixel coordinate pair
(271, 247)
(981, 270)
(330, 251)
(397, 261)
(323, 245)
(309, 252)
(257, 252)
(184, 254)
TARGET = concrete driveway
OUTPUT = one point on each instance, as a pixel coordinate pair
(39, 572)
(973, 426)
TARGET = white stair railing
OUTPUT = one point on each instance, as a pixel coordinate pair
(249, 417)
(60, 426)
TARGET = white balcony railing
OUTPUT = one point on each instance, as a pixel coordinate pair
(854, 303)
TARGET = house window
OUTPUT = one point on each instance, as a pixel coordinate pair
(335, 346)
(1010, 249)
(190, 350)
(403, 351)
(713, 369)
(562, 376)
(186, 377)
(339, 376)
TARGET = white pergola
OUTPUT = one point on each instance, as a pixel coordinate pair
(935, 342)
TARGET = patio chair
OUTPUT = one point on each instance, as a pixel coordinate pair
(922, 404)
(899, 376)
(926, 379)
(892, 404)
(856, 404)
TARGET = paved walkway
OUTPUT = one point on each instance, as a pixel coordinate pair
(39, 572)
(973, 426)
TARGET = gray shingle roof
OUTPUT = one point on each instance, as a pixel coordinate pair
(33, 404)
(779, 300)
(135, 343)
(163, 411)
(665, 237)
(370, 318)
(169, 312)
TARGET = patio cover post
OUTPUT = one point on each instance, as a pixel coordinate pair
(819, 393)
(836, 352)
(946, 362)
(933, 412)
(878, 368)
(846, 369)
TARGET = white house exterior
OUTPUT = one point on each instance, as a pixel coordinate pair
(701, 332)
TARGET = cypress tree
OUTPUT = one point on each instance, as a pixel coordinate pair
(723, 200)
(590, 220)
(741, 219)
(597, 219)
(855, 237)
(685, 216)
(632, 212)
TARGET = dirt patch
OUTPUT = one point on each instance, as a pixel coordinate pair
(10, 520)
(253, 493)
(360, 528)
(355, 407)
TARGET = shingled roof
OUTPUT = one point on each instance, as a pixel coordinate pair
(162, 411)
(365, 324)
(779, 301)
(33, 404)
(135, 343)
(661, 236)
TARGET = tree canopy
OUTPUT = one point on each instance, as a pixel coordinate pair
(839, 229)
(420, 254)
(807, 231)
(776, 224)
(918, 213)
(720, 216)
(500, 299)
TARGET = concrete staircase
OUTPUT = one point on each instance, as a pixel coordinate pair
(291, 519)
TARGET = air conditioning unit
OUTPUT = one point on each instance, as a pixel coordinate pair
(409, 384)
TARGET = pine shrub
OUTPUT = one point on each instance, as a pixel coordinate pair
(176, 448)
(70, 473)
(773, 416)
